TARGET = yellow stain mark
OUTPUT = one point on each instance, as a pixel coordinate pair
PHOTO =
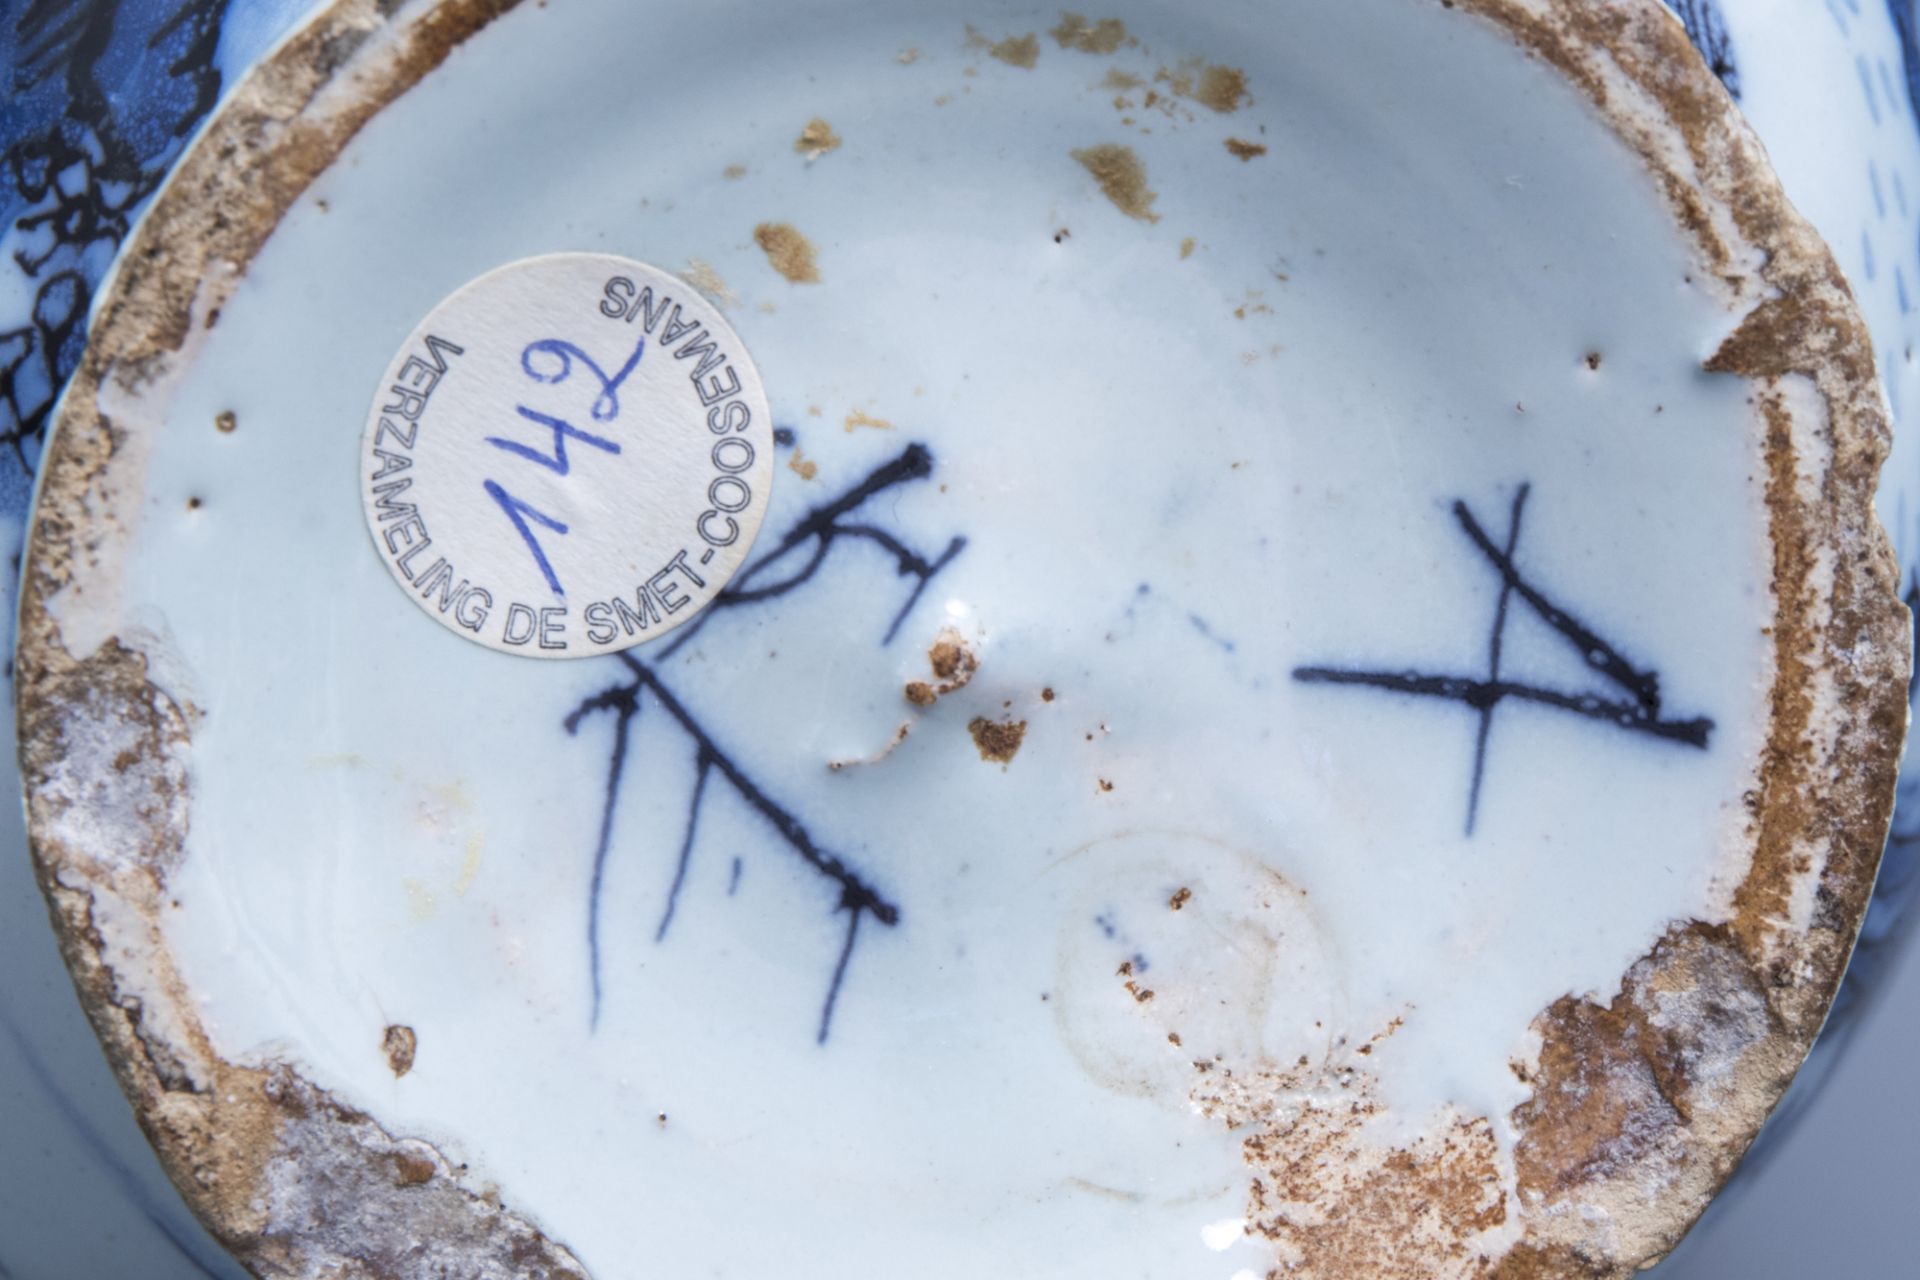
(858, 419)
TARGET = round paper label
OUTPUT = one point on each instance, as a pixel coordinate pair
(568, 457)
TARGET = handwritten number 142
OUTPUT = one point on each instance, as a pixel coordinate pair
(551, 360)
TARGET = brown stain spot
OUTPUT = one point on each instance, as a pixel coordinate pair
(411, 1170)
(1173, 1038)
(816, 139)
(859, 418)
(1593, 360)
(1122, 178)
(734, 172)
(225, 421)
(998, 741)
(399, 1044)
(1180, 898)
(1122, 81)
(949, 656)
(1186, 248)
(789, 252)
(1046, 694)
(1104, 784)
(213, 317)
(193, 504)
(953, 664)
(1017, 51)
(803, 467)
(1221, 89)
(1244, 150)
(1103, 36)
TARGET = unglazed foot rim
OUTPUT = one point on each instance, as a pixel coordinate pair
(1641, 1106)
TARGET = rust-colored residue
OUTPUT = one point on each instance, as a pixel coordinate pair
(400, 1044)
(1016, 51)
(998, 740)
(790, 252)
(1122, 178)
(859, 418)
(225, 421)
(1103, 36)
(1245, 150)
(734, 172)
(411, 1170)
(816, 139)
(952, 662)
(1218, 88)
(1180, 898)
(1221, 88)
(803, 466)
(1186, 248)
(951, 659)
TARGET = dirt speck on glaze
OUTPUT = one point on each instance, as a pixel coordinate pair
(1241, 149)
(1016, 51)
(998, 741)
(816, 139)
(399, 1044)
(860, 419)
(1217, 87)
(953, 663)
(789, 252)
(1102, 36)
(1122, 178)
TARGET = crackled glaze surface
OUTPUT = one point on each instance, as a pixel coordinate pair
(1241, 631)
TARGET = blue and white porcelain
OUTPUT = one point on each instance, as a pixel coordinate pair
(1240, 636)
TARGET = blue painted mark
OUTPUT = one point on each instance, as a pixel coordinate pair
(1853, 6)
(1839, 18)
(1866, 87)
(1639, 711)
(1900, 287)
(1899, 193)
(1873, 179)
(1105, 923)
(1200, 625)
(1866, 250)
(129, 1183)
(518, 512)
(1708, 32)
(1901, 12)
(1886, 84)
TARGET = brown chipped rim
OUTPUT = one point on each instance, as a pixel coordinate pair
(1626, 1098)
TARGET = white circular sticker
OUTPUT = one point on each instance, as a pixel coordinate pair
(568, 457)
